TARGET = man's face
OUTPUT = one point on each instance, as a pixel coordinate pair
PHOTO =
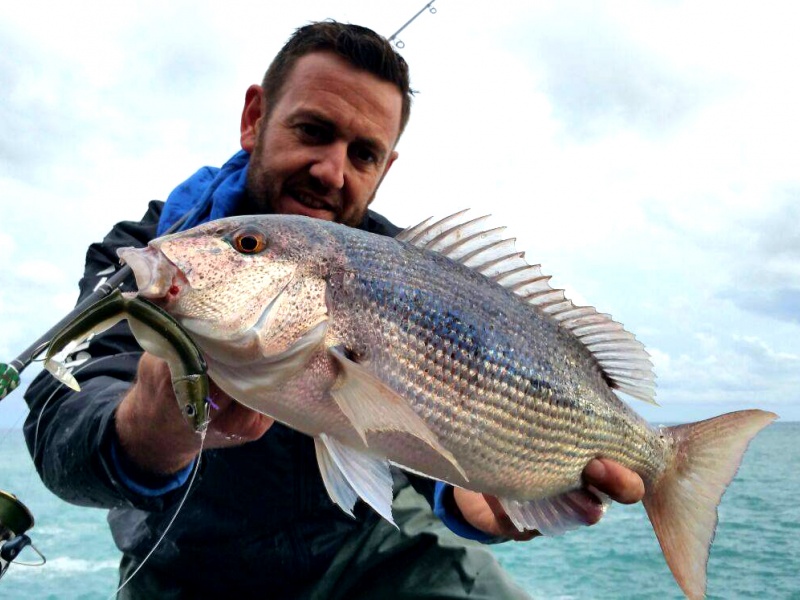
(326, 145)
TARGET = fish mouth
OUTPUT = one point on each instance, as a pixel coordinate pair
(157, 278)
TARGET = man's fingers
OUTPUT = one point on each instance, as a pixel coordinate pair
(621, 484)
(237, 424)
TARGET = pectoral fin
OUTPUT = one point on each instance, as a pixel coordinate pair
(349, 474)
(371, 406)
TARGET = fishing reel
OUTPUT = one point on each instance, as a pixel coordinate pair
(15, 520)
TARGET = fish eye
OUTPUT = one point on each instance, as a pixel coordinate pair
(249, 241)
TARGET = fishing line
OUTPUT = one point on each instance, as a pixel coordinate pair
(13, 427)
(44, 406)
(191, 481)
(10, 372)
(10, 380)
(195, 470)
(53, 393)
(14, 511)
(29, 564)
(15, 520)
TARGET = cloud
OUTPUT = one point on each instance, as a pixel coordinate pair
(34, 294)
(38, 118)
(778, 234)
(601, 77)
(767, 281)
(768, 362)
(6, 245)
(112, 96)
(645, 153)
(726, 368)
(782, 304)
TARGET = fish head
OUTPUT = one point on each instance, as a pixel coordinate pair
(219, 279)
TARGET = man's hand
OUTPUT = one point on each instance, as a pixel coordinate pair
(155, 436)
(614, 480)
(485, 513)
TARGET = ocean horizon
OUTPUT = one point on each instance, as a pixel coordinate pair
(756, 552)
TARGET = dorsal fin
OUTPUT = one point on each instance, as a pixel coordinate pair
(469, 241)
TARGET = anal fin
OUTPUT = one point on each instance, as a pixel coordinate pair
(556, 514)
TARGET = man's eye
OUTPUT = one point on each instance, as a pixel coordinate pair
(364, 155)
(311, 131)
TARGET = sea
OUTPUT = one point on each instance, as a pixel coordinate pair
(756, 553)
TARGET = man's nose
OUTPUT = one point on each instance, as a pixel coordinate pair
(330, 164)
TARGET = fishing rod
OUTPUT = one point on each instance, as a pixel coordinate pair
(399, 43)
(10, 372)
(15, 518)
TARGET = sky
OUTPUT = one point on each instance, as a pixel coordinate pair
(645, 153)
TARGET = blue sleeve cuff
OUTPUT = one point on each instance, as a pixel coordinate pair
(444, 507)
(170, 482)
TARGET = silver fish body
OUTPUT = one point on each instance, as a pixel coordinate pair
(441, 352)
(519, 400)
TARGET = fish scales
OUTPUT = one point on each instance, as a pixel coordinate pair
(396, 351)
(429, 315)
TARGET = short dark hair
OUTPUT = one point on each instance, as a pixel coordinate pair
(360, 46)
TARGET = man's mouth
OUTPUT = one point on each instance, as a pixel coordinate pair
(313, 201)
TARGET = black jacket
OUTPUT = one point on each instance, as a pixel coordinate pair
(258, 516)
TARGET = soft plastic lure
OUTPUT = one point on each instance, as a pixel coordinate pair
(156, 331)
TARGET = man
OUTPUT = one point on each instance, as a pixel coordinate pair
(317, 139)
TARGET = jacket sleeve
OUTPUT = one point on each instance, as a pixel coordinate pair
(70, 434)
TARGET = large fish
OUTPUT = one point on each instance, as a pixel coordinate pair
(443, 352)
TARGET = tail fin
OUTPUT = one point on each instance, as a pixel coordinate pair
(683, 505)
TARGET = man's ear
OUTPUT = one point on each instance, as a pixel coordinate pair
(254, 109)
(392, 157)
